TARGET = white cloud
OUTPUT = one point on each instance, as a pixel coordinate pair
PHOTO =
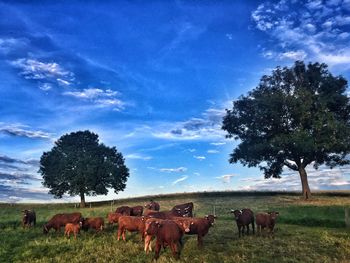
(183, 178)
(226, 178)
(170, 170)
(218, 143)
(201, 158)
(138, 157)
(212, 151)
(99, 97)
(38, 70)
(312, 30)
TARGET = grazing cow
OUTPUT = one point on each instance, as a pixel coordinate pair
(244, 218)
(124, 210)
(29, 218)
(168, 233)
(59, 220)
(96, 223)
(136, 210)
(113, 218)
(200, 227)
(267, 220)
(184, 210)
(72, 228)
(153, 206)
(132, 224)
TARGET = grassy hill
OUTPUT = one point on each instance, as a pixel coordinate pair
(312, 231)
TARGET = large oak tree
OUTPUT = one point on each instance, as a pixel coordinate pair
(295, 117)
(79, 164)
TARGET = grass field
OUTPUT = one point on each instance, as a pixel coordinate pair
(312, 231)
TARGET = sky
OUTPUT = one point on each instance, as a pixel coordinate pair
(153, 79)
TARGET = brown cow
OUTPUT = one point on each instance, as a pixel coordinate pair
(168, 233)
(132, 224)
(183, 222)
(244, 218)
(59, 220)
(266, 220)
(200, 227)
(29, 218)
(124, 210)
(136, 210)
(113, 218)
(72, 228)
(184, 210)
(96, 223)
(153, 206)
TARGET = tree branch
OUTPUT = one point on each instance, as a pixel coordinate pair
(290, 165)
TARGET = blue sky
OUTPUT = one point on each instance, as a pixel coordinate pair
(153, 78)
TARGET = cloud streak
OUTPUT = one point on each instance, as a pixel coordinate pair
(19, 130)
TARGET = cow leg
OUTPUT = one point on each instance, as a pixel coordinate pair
(173, 247)
(148, 239)
(248, 229)
(253, 226)
(200, 241)
(157, 250)
(124, 235)
(119, 233)
(239, 231)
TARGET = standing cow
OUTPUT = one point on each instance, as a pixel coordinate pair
(29, 218)
(185, 210)
(244, 218)
(153, 206)
(267, 220)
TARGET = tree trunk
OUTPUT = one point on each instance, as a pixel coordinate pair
(304, 183)
(82, 200)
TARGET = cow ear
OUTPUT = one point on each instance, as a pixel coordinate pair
(206, 216)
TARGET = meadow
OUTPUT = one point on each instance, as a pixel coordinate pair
(306, 231)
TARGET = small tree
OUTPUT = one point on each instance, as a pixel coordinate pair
(295, 117)
(79, 165)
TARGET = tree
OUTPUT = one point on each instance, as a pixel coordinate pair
(79, 165)
(295, 117)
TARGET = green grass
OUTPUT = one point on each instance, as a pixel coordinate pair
(312, 231)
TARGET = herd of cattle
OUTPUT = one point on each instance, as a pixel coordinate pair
(167, 227)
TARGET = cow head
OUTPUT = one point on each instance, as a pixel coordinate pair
(45, 229)
(151, 226)
(237, 213)
(186, 224)
(273, 215)
(211, 219)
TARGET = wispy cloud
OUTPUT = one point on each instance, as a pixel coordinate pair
(137, 156)
(183, 178)
(170, 170)
(212, 151)
(198, 157)
(99, 97)
(314, 30)
(43, 71)
(206, 128)
(23, 131)
(226, 178)
(218, 143)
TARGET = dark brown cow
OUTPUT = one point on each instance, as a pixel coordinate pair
(267, 220)
(96, 223)
(29, 218)
(185, 210)
(59, 220)
(244, 218)
(161, 214)
(113, 218)
(153, 206)
(136, 210)
(200, 227)
(168, 233)
(124, 210)
(132, 224)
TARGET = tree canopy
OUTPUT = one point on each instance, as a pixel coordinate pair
(79, 164)
(295, 117)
